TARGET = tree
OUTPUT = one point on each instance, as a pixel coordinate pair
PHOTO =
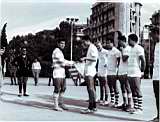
(3, 42)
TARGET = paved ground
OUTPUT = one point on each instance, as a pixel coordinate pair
(39, 105)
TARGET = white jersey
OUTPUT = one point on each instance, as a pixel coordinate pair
(102, 62)
(156, 69)
(36, 65)
(113, 54)
(134, 61)
(123, 66)
(58, 68)
(90, 66)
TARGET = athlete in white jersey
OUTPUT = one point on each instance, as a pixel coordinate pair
(136, 67)
(122, 74)
(90, 72)
(113, 63)
(102, 73)
(59, 64)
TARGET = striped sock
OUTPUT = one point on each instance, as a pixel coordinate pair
(140, 103)
(135, 101)
(116, 98)
(112, 97)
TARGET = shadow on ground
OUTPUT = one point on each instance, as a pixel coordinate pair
(48, 104)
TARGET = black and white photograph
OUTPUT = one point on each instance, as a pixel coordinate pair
(79, 60)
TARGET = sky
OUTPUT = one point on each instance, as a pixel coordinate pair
(31, 16)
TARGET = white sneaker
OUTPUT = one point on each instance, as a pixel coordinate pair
(115, 105)
(87, 111)
(136, 111)
(105, 103)
(57, 108)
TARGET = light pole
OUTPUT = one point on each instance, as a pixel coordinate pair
(72, 22)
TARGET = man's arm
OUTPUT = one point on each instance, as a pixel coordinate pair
(118, 61)
(92, 59)
(143, 63)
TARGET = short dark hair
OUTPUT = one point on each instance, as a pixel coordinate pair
(122, 38)
(60, 40)
(133, 37)
(86, 37)
(119, 33)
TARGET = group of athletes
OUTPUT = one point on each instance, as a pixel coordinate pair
(125, 63)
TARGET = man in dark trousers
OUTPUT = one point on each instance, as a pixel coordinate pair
(89, 73)
(23, 66)
(156, 69)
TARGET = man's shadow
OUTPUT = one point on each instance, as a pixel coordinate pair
(74, 106)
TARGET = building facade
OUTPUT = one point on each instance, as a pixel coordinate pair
(108, 17)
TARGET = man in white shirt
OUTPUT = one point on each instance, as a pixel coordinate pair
(122, 73)
(156, 69)
(113, 63)
(102, 73)
(36, 68)
(59, 64)
(90, 72)
(136, 67)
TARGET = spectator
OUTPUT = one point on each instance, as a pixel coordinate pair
(36, 68)
(13, 70)
(23, 65)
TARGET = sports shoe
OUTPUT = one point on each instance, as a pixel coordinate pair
(57, 108)
(20, 94)
(87, 111)
(25, 95)
(136, 111)
(63, 107)
(128, 108)
(115, 105)
(123, 106)
(94, 109)
(105, 103)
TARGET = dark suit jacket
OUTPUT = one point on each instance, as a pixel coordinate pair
(23, 65)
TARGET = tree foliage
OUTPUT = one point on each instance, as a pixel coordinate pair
(42, 44)
(3, 37)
